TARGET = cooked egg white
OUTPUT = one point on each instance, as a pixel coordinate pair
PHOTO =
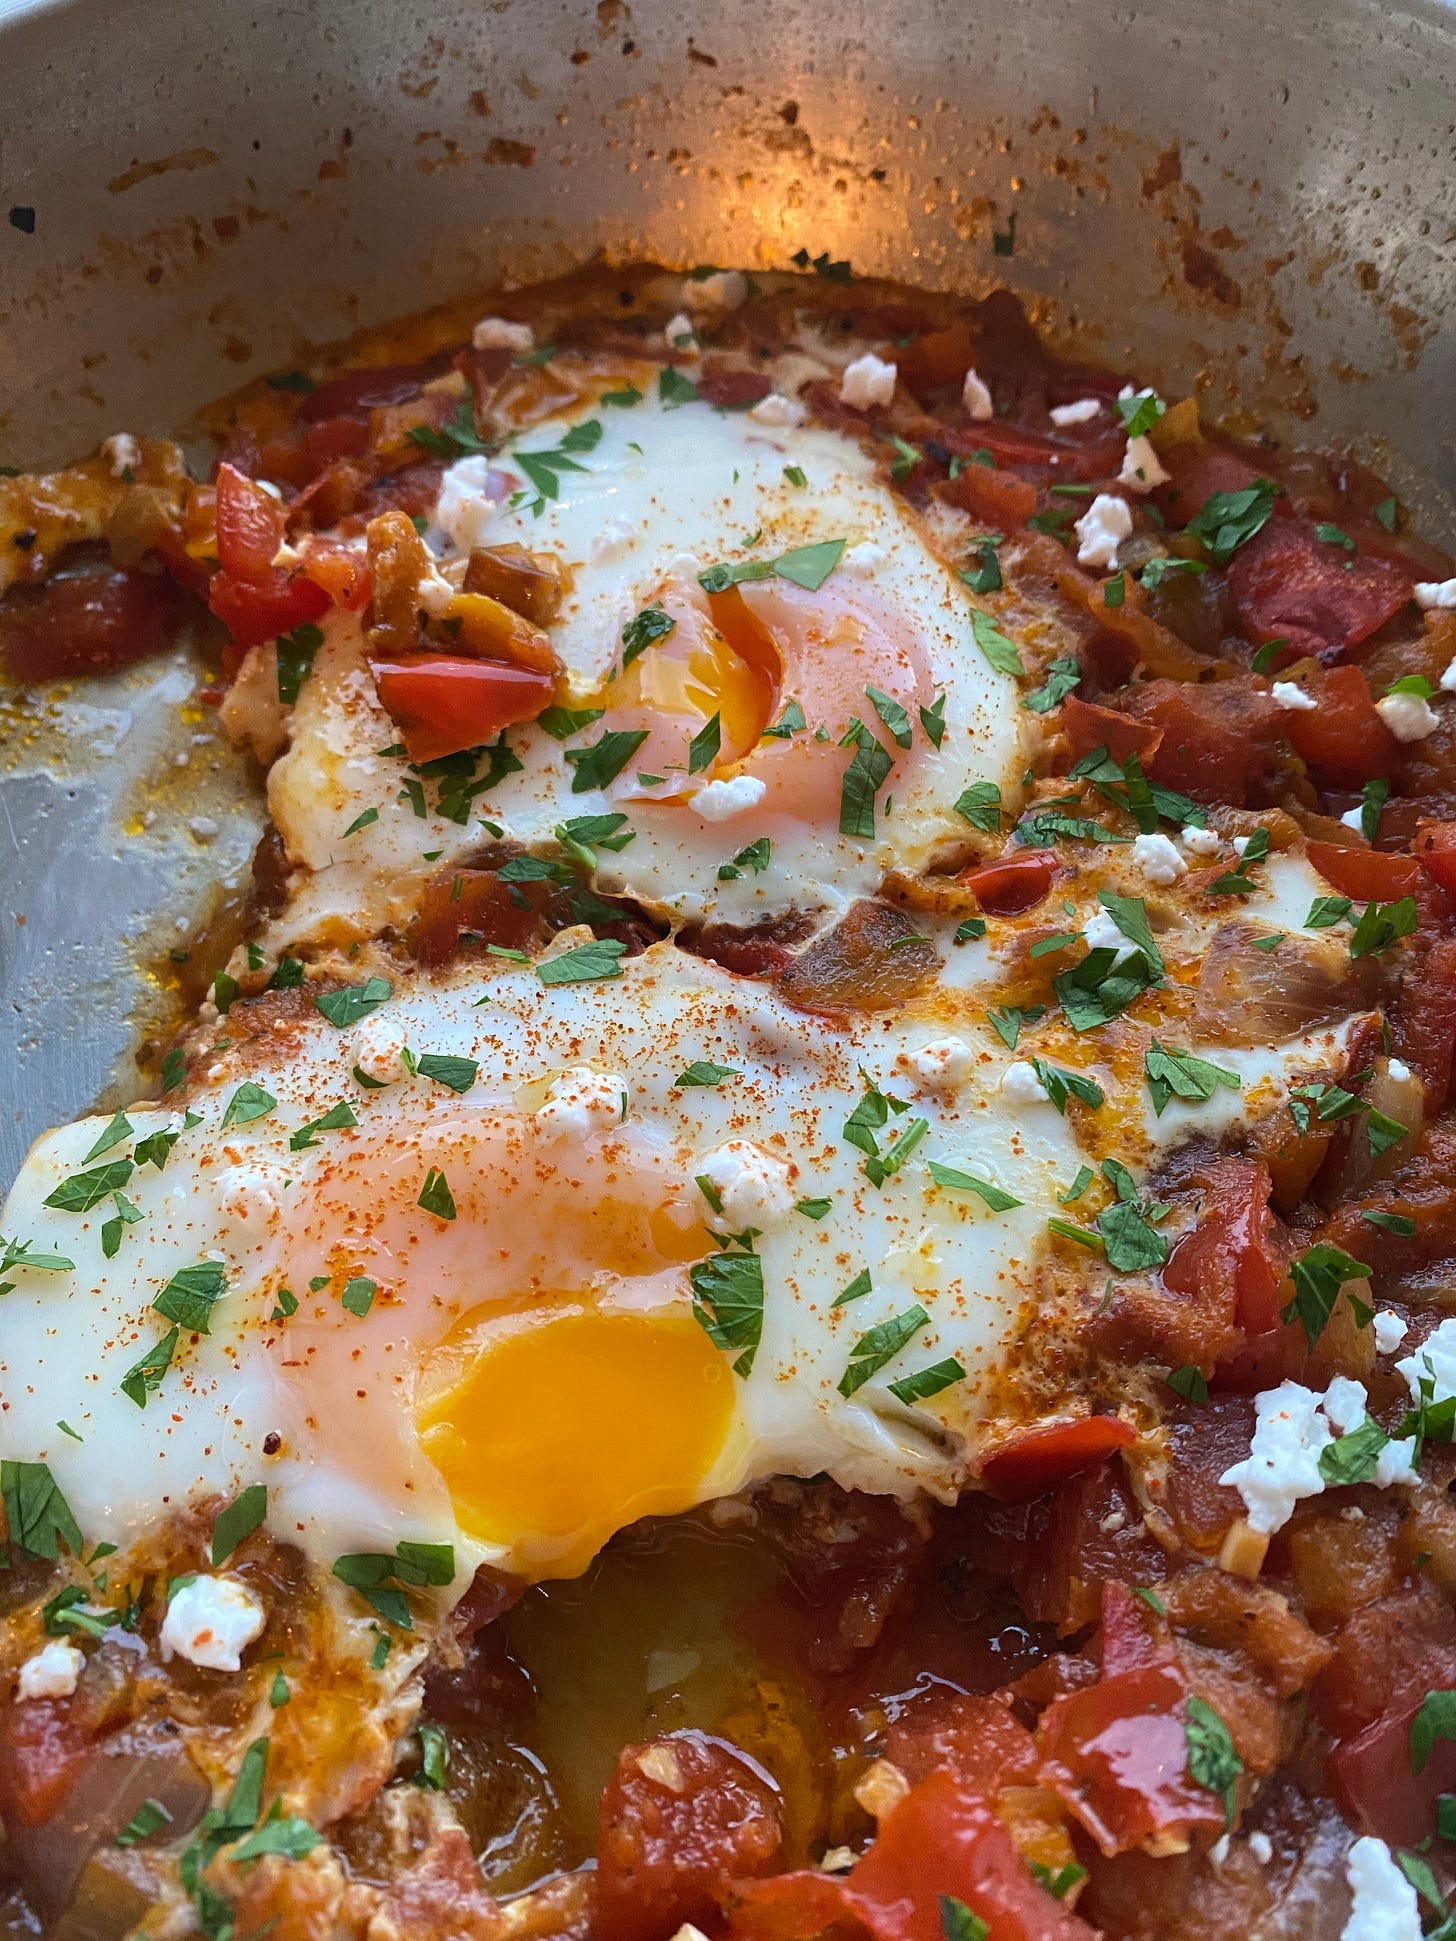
(468, 1316)
(666, 493)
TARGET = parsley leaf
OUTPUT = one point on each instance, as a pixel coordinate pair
(355, 1001)
(1063, 674)
(980, 804)
(878, 1347)
(1227, 520)
(728, 1303)
(249, 1102)
(650, 625)
(1212, 1761)
(587, 964)
(927, 1382)
(38, 1515)
(1000, 652)
(82, 1191)
(1178, 1074)
(296, 652)
(1318, 1275)
(951, 1176)
(602, 761)
(435, 1195)
(191, 1294)
(868, 770)
(703, 1071)
(238, 1521)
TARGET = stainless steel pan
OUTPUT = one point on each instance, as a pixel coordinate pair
(1258, 198)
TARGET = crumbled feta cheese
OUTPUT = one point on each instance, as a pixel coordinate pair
(582, 1100)
(837, 1860)
(1389, 1331)
(752, 1185)
(1219, 1851)
(376, 1049)
(867, 381)
(1099, 932)
(1282, 1465)
(1396, 1465)
(867, 559)
(1101, 530)
(122, 453)
(1241, 843)
(776, 410)
(1344, 1404)
(51, 1673)
(465, 508)
(498, 333)
(1140, 468)
(1262, 1848)
(723, 290)
(1355, 819)
(1435, 594)
(1409, 717)
(1434, 1360)
(1158, 859)
(1021, 1085)
(976, 397)
(721, 801)
(1292, 697)
(1080, 413)
(943, 1061)
(1201, 842)
(679, 333)
(210, 1622)
(1448, 679)
(1398, 1070)
(1386, 1907)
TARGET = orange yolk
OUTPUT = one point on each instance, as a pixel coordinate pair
(569, 1428)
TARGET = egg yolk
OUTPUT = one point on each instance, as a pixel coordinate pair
(566, 1430)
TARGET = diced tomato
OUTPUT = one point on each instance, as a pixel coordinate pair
(1423, 1018)
(680, 1819)
(977, 1740)
(1196, 472)
(1343, 736)
(1013, 885)
(442, 703)
(1117, 1754)
(935, 358)
(747, 953)
(733, 390)
(999, 498)
(1032, 1461)
(1128, 1640)
(88, 623)
(41, 1753)
(1381, 1789)
(249, 527)
(1090, 1532)
(1227, 1261)
(357, 393)
(1049, 456)
(1365, 874)
(1088, 726)
(341, 571)
(1218, 738)
(1435, 846)
(477, 901)
(942, 1839)
(1288, 584)
(258, 611)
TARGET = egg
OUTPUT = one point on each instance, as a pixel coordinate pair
(838, 637)
(507, 1261)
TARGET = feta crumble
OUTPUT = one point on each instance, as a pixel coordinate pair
(723, 290)
(582, 1100)
(1080, 413)
(752, 1185)
(376, 1050)
(678, 328)
(498, 333)
(1354, 819)
(777, 410)
(1435, 594)
(1434, 1360)
(122, 453)
(210, 1622)
(1282, 1466)
(1099, 932)
(465, 508)
(721, 801)
(942, 1062)
(1290, 696)
(1201, 842)
(867, 381)
(1021, 1085)
(1140, 468)
(1385, 1907)
(1101, 530)
(1398, 1070)
(1409, 717)
(1262, 1848)
(51, 1673)
(1448, 679)
(434, 592)
(866, 559)
(976, 397)
(1158, 859)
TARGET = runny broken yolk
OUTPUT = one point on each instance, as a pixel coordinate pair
(569, 1427)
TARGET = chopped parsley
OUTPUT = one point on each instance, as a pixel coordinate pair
(728, 1303)
(957, 1181)
(1062, 675)
(927, 1382)
(587, 964)
(1227, 520)
(1178, 1074)
(1212, 1760)
(878, 1347)
(435, 1195)
(703, 1071)
(1000, 652)
(1318, 1274)
(868, 770)
(354, 1001)
(249, 1102)
(650, 625)
(38, 1515)
(295, 653)
(382, 1581)
(601, 762)
(238, 1521)
(980, 805)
